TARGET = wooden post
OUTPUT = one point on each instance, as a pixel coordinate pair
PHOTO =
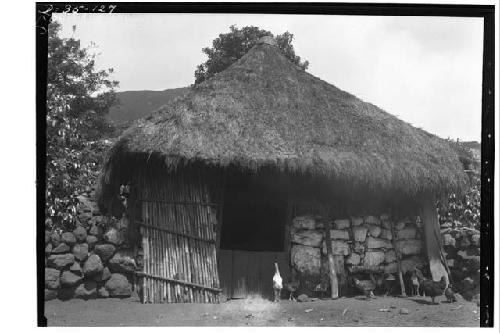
(432, 243)
(398, 257)
(334, 284)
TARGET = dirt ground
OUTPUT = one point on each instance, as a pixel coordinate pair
(355, 311)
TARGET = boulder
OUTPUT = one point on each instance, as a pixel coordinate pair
(391, 268)
(338, 248)
(68, 238)
(86, 290)
(102, 293)
(359, 233)
(386, 234)
(384, 217)
(356, 221)
(66, 293)
(76, 268)
(476, 239)
(373, 258)
(96, 230)
(464, 242)
(104, 251)
(353, 259)
(93, 266)
(390, 256)
(48, 249)
(339, 234)
(119, 286)
(91, 241)
(60, 261)
(358, 247)
(80, 234)
(409, 264)
(306, 259)
(114, 236)
(408, 246)
(52, 278)
(407, 233)
(374, 230)
(81, 251)
(61, 248)
(50, 294)
(342, 224)
(448, 240)
(303, 298)
(122, 262)
(387, 224)
(378, 243)
(307, 237)
(369, 219)
(304, 222)
(400, 225)
(55, 239)
(69, 278)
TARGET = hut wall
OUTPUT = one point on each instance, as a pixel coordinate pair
(360, 244)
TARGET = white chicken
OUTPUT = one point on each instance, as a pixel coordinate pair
(277, 283)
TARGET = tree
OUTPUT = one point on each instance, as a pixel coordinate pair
(231, 46)
(78, 99)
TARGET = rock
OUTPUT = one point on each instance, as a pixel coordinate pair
(359, 233)
(66, 293)
(52, 278)
(123, 223)
(93, 266)
(386, 234)
(356, 221)
(84, 217)
(353, 259)
(446, 225)
(338, 248)
(409, 246)
(374, 230)
(81, 251)
(339, 234)
(91, 241)
(476, 240)
(304, 222)
(118, 286)
(104, 251)
(80, 234)
(307, 237)
(448, 240)
(464, 255)
(50, 294)
(384, 217)
(76, 268)
(400, 225)
(387, 224)
(378, 243)
(358, 247)
(303, 298)
(122, 262)
(373, 258)
(390, 256)
(86, 290)
(69, 278)
(102, 292)
(342, 224)
(68, 238)
(48, 249)
(55, 239)
(404, 311)
(96, 230)
(450, 262)
(409, 264)
(114, 236)
(306, 259)
(61, 248)
(60, 261)
(47, 237)
(407, 233)
(391, 268)
(371, 220)
(106, 274)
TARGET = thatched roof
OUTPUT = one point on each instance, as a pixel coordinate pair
(265, 111)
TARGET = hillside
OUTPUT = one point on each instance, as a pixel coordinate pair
(137, 104)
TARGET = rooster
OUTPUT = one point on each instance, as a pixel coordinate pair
(431, 288)
(292, 287)
(277, 283)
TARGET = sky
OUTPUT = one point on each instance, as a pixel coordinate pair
(426, 71)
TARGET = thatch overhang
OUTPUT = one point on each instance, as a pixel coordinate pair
(263, 111)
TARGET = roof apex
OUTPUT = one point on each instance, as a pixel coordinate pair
(270, 40)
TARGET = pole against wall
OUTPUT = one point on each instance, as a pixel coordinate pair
(334, 284)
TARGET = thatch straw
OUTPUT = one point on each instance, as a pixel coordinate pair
(264, 111)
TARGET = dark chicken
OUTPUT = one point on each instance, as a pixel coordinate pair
(431, 288)
(292, 287)
(450, 295)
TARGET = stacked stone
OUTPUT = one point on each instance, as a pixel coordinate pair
(408, 243)
(90, 261)
(462, 252)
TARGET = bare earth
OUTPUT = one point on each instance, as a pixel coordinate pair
(259, 312)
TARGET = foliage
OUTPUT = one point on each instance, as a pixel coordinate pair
(231, 46)
(78, 98)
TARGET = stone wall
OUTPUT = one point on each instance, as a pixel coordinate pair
(96, 259)
(360, 245)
